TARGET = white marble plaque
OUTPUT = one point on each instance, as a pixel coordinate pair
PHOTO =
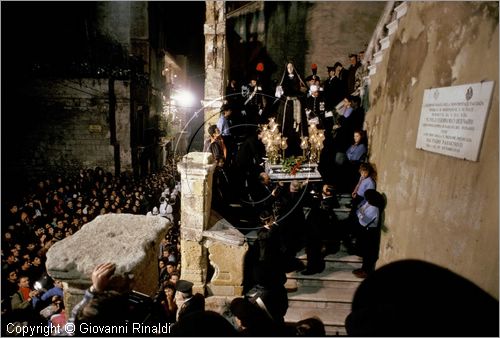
(452, 119)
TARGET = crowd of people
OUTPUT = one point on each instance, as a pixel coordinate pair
(288, 216)
(334, 106)
(57, 208)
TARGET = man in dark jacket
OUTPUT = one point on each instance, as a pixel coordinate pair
(187, 303)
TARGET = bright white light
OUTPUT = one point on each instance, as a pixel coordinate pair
(185, 98)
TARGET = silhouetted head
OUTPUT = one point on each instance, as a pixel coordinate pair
(417, 298)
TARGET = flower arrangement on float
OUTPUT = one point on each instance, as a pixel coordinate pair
(276, 144)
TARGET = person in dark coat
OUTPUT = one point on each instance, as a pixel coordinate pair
(368, 225)
(187, 303)
(248, 162)
(292, 223)
(264, 193)
(269, 270)
(313, 236)
(254, 102)
(291, 116)
(216, 146)
(315, 109)
(335, 86)
(203, 324)
(235, 102)
(351, 73)
(251, 320)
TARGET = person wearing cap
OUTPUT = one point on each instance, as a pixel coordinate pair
(254, 102)
(187, 303)
(313, 79)
(315, 108)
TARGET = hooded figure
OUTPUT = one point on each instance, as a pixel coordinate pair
(291, 115)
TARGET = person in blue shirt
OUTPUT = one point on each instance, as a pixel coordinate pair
(368, 232)
(224, 125)
(356, 154)
(357, 151)
(367, 180)
(56, 290)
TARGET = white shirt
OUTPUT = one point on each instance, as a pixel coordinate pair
(368, 215)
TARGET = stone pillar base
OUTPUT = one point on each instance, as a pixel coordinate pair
(194, 264)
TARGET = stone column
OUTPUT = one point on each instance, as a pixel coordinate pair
(129, 241)
(196, 171)
(215, 62)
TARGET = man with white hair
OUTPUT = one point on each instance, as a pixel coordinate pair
(187, 303)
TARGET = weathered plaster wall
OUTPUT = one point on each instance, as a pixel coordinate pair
(440, 209)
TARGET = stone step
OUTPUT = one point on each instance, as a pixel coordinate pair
(338, 273)
(333, 319)
(324, 297)
(342, 256)
(338, 270)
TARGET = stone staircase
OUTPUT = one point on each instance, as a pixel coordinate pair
(326, 295)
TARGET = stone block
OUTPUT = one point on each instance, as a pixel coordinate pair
(224, 290)
(392, 27)
(401, 9)
(378, 56)
(194, 263)
(385, 43)
(129, 241)
(227, 261)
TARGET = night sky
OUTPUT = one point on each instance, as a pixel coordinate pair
(58, 31)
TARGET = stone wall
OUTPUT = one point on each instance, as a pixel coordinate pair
(308, 32)
(440, 209)
(67, 127)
